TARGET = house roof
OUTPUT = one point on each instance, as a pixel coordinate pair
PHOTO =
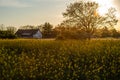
(26, 32)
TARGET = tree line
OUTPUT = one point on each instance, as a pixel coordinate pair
(61, 32)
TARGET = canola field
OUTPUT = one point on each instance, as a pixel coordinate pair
(30, 59)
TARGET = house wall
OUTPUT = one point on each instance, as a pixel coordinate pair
(37, 35)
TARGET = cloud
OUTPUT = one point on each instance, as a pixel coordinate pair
(12, 3)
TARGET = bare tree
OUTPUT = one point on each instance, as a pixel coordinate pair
(84, 15)
(11, 29)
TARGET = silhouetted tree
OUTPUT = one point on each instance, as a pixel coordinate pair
(105, 32)
(69, 33)
(11, 29)
(115, 33)
(2, 27)
(84, 15)
(40, 27)
(47, 30)
(7, 35)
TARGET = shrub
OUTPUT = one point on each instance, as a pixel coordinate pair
(7, 35)
(60, 37)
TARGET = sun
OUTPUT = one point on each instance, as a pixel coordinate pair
(104, 5)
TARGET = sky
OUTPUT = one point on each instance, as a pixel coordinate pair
(35, 12)
(31, 12)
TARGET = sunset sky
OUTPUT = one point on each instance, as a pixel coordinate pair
(35, 12)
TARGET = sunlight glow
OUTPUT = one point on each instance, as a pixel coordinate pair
(104, 5)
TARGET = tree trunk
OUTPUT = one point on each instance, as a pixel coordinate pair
(89, 36)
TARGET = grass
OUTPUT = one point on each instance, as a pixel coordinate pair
(59, 60)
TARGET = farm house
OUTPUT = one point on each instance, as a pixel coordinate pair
(29, 33)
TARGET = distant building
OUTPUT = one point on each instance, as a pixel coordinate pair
(29, 33)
